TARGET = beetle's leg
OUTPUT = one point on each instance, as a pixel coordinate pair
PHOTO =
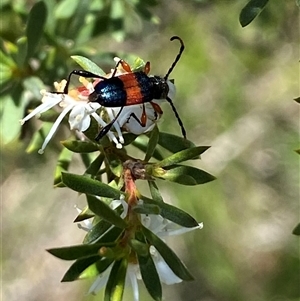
(124, 65)
(106, 129)
(142, 121)
(147, 68)
(157, 109)
(82, 73)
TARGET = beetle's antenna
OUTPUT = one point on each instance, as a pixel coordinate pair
(177, 57)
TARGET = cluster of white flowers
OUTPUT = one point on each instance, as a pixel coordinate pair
(81, 110)
(159, 226)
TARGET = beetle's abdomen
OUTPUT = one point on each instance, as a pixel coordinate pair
(124, 90)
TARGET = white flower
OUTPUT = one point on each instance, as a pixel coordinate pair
(75, 102)
(162, 228)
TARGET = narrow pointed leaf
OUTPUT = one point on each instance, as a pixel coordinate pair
(147, 209)
(87, 185)
(63, 163)
(141, 144)
(174, 143)
(184, 155)
(78, 267)
(97, 268)
(297, 99)
(173, 213)
(154, 136)
(96, 232)
(155, 194)
(296, 230)
(95, 166)
(78, 251)
(87, 64)
(251, 10)
(168, 255)
(139, 247)
(111, 235)
(150, 276)
(116, 282)
(65, 9)
(114, 162)
(104, 211)
(186, 175)
(35, 26)
(78, 146)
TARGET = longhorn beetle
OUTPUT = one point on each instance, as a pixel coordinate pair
(130, 89)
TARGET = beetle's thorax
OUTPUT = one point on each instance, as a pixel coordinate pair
(160, 87)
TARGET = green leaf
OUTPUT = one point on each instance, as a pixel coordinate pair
(173, 213)
(174, 143)
(87, 185)
(138, 64)
(252, 9)
(116, 281)
(5, 74)
(147, 209)
(296, 230)
(6, 60)
(114, 162)
(298, 3)
(97, 268)
(139, 247)
(152, 144)
(84, 214)
(86, 159)
(297, 99)
(150, 276)
(111, 235)
(34, 84)
(155, 194)
(141, 144)
(168, 255)
(96, 232)
(10, 117)
(104, 211)
(78, 146)
(78, 251)
(129, 138)
(94, 167)
(62, 165)
(297, 151)
(78, 267)
(38, 138)
(65, 9)
(184, 155)
(87, 64)
(186, 175)
(35, 27)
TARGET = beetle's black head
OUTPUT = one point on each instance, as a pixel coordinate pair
(160, 87)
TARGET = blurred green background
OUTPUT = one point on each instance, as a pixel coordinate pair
(235, 90)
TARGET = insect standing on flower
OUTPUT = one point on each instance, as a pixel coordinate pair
(131, 88)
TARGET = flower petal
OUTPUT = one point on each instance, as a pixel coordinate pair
(166, 275)
(131, 275)
(100, 282)
(54, 127)
(79, 119)
(49, 100)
